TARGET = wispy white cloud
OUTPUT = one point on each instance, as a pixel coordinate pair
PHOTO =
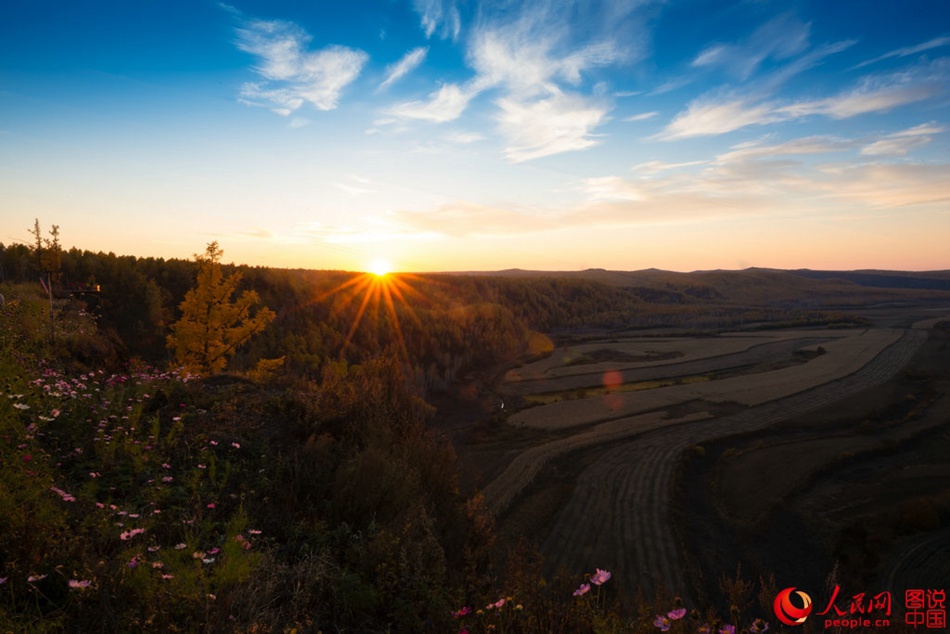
(560, 123)
(643, 116)
(808, 145)
(937, 42)
(295, 74)
(654, 167)
(439, 15)
(719, 114)
(779, 39)
(446, 104)
(464, 138)
(901, 143)
(612, 188)
(530, 54)
(409, 62)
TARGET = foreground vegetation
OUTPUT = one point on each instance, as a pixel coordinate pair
(311, 495)
(146, 499)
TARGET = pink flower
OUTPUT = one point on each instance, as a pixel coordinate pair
(133, 562)
(211, 505)
(462, 612)
(584, 589)
(33, 578)
(601, 577)
(759, 626)
(76, 583)
(180, 546)
(661, 623)
(728, 629)
(236, 445)
(676, 615)
(499, 603)
(3, 580)
(168, 576)
(254, 532)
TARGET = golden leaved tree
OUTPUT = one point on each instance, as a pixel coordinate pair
(212, 327)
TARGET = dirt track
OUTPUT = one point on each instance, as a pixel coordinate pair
(618, 515)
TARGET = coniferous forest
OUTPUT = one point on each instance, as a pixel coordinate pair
(189, 445)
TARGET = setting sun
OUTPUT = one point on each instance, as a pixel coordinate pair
(379, 267)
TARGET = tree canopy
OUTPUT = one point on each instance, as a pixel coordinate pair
(212, 326)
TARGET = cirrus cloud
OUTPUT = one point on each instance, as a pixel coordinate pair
(294, 74)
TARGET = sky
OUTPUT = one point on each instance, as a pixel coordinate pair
(448, 135)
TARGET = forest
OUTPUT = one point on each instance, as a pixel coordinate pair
(310, 492)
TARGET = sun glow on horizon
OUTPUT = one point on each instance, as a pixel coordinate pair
(379, 267)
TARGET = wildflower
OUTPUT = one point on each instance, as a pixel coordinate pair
(165, 465)
(676, 615)
(21, 406)
(127, 535)
(759, 626)
(211, 505)
(100, 505)
(153, 549)
(214, 551)
(462, 612)
(133, 562)
(55, 414)
(704, 629)
(499, 603)
(728, 629)
(168, 576)
(76, 583)
(601, 577)
(33, 578)
(198, 554)
(167, 479)
(254, 532)
(201, 466)
(236, 445)
(207, 560)
(662, 623)
(157, 564)
(180, 546)
(3, 580)
(214, 442)
(584, 589)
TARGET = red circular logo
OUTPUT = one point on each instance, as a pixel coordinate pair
(787, 612)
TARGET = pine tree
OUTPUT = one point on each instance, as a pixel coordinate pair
(212, 326)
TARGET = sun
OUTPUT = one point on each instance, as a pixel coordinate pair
(379, 267)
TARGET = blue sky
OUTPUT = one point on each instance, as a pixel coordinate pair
(463, 135)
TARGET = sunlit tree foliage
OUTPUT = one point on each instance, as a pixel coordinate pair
(212, 326)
